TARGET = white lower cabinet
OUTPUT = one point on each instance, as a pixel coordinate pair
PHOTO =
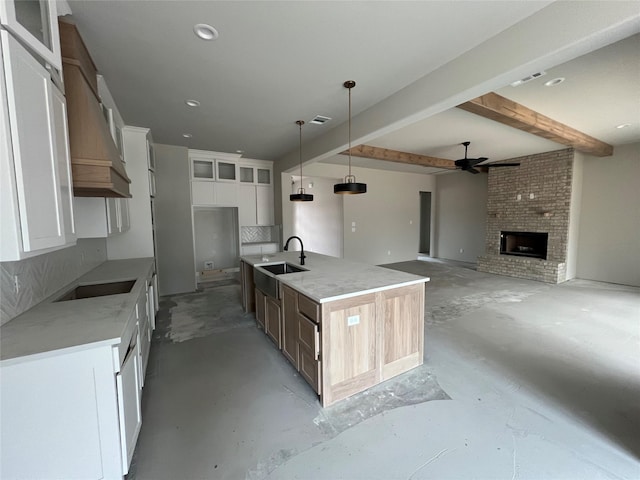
(61, 416)
(129, 408)
(101, 217)
(35, 193)
(76, 414)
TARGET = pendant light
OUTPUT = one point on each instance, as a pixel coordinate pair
(350, 186)
(300, 196)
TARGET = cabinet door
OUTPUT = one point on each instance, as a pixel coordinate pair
(124, 217)
(264, 205)
(128, 385)
(290, 325)
(247, 205)
(260, 309)
(113, 216)
(350, 361)
(273, 321)
(226, 194)
(61, 136)
(202, 168)
(36, 24)
(29, 94)
(202, 193)
(309, 351)
(402, 329)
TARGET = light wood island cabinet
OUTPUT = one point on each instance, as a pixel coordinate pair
(343, 346)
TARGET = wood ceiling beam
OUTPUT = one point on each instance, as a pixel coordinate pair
(377, 153)
(508, 112)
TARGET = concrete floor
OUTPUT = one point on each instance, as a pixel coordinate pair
(521, 380)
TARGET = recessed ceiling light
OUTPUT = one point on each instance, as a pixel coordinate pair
(192, 103)
(187, 135)
(623, 125)
(554, 82)
(205, 32)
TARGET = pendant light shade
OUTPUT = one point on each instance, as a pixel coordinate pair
(300, 196)
(350, 186)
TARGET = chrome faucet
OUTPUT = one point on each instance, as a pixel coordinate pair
(302, 255)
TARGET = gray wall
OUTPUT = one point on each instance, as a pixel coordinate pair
(216, 237)
(318, 223)
(609, 237)
(387, 217)
(174, 231)
(461, 215)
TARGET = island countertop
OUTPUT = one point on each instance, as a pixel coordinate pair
(53, 327)
(330, 278)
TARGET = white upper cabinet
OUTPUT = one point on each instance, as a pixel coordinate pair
(37, 214)
(35, 23)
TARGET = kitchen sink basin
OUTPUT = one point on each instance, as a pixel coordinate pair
(264, 277)
(97, 290)
(280, 268)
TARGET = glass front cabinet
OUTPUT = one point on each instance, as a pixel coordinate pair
(35, 23)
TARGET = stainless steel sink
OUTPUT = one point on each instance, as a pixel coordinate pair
(97, 290)
(280, 268)
(265, 276)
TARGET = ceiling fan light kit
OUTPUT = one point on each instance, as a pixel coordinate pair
(300, 196)
(350, 186)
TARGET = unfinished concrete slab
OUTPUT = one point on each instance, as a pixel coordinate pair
(521, 380)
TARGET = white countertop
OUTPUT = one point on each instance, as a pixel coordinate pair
(330, 278)
(51, 328)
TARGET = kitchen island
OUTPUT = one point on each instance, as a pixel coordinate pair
(345, 326)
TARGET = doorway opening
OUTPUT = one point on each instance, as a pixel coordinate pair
(425, 224)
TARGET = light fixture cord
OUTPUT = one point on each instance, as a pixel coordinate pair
(300, 125)
(350, 133)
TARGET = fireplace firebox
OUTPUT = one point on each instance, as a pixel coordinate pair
(524, 244)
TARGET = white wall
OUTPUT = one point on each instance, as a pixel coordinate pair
(387, 217)
(174, 232)
(318, 223)
(461, 216)
(609, 241)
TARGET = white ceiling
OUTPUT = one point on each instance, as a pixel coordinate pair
(276, 62)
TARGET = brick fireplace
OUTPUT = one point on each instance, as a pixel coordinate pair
(528, 217)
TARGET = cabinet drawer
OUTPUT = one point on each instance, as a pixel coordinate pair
(309, 308)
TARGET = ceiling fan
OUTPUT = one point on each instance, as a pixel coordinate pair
(468, 164)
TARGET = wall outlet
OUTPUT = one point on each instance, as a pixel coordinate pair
(208, 265)
(462, 250)
(531, 196)
(353, 229)
(353, 320)
(519, 197)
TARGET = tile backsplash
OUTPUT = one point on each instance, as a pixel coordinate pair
(258, 234)
(41, 276)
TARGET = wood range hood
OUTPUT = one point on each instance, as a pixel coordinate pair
(96, 165)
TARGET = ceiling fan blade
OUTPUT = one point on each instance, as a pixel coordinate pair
(471, 170)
